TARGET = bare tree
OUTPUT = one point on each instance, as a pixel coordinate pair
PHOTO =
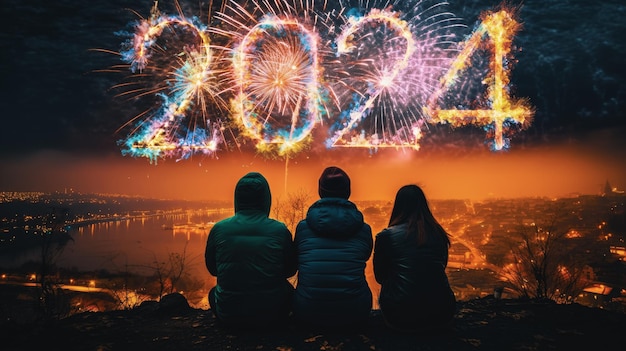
(292, 210)
(125, 293)
(546, 264)
(164, 275)
(53, 304)
(173, 274)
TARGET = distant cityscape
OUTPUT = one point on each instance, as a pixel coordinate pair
(35, 213)
(483, 232)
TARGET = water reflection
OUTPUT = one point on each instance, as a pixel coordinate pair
(133, 243)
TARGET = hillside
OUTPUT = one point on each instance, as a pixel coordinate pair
(480, 324)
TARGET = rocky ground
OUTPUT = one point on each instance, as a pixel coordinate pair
(481, 324)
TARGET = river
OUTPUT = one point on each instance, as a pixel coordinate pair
(134, 244)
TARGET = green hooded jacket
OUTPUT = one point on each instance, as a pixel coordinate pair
(251, 255)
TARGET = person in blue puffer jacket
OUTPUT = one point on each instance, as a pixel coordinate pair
(333, 244)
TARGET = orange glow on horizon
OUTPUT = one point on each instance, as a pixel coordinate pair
(542, 172)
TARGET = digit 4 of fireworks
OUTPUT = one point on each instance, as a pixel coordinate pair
(500, 27)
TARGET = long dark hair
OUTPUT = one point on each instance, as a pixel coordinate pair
(411, 207)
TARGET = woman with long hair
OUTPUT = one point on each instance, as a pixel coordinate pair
(410, 258)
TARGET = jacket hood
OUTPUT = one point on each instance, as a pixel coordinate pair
(334, 217)
(252, 192)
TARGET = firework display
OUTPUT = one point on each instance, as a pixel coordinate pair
(287, 74)
(381, 82)
(499, 27)
(278, 95)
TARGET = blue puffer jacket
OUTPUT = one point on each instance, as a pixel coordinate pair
(333, 245)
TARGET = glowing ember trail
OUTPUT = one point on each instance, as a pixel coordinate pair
(501, 27)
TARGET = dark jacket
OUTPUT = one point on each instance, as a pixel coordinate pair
(414, 285)
(251, 255)
(333, 245)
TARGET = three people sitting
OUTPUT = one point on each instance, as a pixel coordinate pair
(253, 256)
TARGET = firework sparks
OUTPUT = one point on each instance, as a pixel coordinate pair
(379, 81)
(500, 27)
(376, 73)
(276, 66)
(391, 61)
(188, 81)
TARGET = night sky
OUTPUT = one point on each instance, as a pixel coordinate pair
(60, 116)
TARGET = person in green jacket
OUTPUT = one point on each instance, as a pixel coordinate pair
(252, 256)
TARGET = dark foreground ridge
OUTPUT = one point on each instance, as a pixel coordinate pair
(481, 324)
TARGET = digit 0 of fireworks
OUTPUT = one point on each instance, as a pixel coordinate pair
(372, 78)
